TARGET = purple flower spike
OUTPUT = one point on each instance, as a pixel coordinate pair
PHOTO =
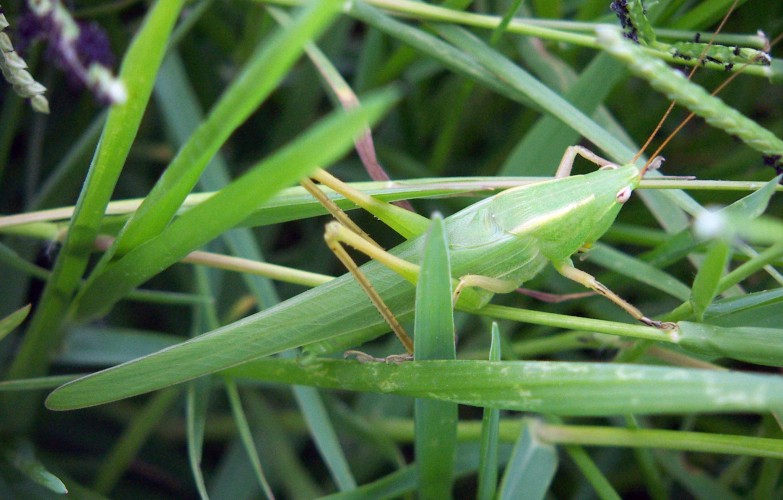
(81, 50)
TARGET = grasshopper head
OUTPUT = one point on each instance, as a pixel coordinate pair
(564, 215)
(612, 188)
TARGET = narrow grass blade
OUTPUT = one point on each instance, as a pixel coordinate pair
(531, 469)
(13, 320)
(262, 74)
(586, 93)
(663, 439)
(707, 281)
(246, 436)
(21, 456)
(325, 437)
(638, 270)
(651, 473)
(525, 84)
(546, 387)
(436, 421)
(278, 450)
(320, 145)
(592, 473)
(762, 346)
(196, 399)
(761, 309)
(488, 464)
(138, 71)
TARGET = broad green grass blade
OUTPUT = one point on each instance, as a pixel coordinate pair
(705, 285)
(546, 387)
(269, 65)
(138, 71)
(320, 145)
(531, 469)
(176, 96)
(754, 309)
(436, 421)
(488, 465)
(762, 346)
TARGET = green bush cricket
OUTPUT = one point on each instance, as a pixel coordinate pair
(498, 244)
(506, 240)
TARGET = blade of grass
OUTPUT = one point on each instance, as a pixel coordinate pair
(13, 320)
(546, 387)
(195, 421)
(182, 111)
(531, 469)
(246, 436)
(270, 63)
(205, 221)
(138, 72)
(320, 145)
(705, 285)
(638, 271)
(436, 421)
(488, 464)
(21, 456)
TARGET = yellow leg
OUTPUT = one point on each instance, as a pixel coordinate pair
(493, 285)
(333, 209)
(404, 222)
(336, 235)
(569, 271)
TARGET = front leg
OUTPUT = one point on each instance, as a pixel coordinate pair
(494, 285)
(567, 162)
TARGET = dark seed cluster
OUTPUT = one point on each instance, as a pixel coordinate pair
(620, 7)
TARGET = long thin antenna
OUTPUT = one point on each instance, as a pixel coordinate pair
(690, 116)
(673, 103)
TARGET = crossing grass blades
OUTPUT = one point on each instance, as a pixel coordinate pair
(704, 350)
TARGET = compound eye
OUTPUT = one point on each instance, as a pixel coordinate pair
(623, 195)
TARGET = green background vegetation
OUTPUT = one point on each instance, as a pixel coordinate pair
(464, 112)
